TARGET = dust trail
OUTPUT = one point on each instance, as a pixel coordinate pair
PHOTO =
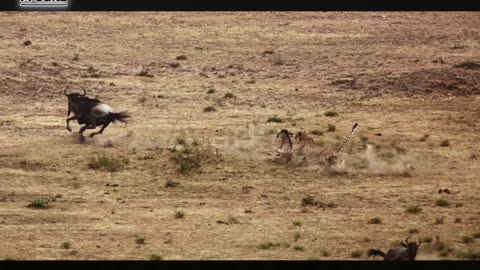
(370, 163)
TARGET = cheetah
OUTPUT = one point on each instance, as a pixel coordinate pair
(324, 156)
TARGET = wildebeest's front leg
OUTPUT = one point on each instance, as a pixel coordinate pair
(70, 119)
(101, 130)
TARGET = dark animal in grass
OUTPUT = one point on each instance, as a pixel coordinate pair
(407, 252)
(91, 113)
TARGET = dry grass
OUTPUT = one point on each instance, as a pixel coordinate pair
(377, 71)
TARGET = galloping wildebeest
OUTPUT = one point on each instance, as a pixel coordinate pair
(91, 112)
(407, 252)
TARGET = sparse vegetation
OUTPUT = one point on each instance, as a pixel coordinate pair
(469, 255)
(330, 114)
(331, 128)
(65, 245)
(181, 141)
(309, 200)
(229, 95)
(440, 245)
(414, 209)
(105, 163)
(181, 57)
(427, 239)
(468, 65)
(155, 257)
(457, 205)
(441, 203)
(414, 231)
(171, 184)
(209, 109)
(297, 223)
(27, 43)
(325, 253)
(356, 253)
(298, 248)
(457, 220)
(445, 143)
(275, 119)
(44, 202)
(424, 138)
(317, 132)
(179, 214)
(297, 236)
(268, 245)
(439, 220)
(476, 235)
(211, 91)
(145, 73)
(140, 240)
(375, 220)
(467, 239)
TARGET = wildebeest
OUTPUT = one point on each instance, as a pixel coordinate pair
(407, 252)
(91, 112)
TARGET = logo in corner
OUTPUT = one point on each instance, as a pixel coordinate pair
(44, 4)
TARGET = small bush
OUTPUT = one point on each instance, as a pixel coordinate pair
(441, 203)
(44, 202)
(27, 43)
(275, 119)
(142, 99)
(457, 220)
(467, 239)
(424, 138)
(331, 128)
(439, 220)
(443, 253)
(297, 223)
(268, 245)
(458, 205)
(144, 73)
(476, 235)
(181, 57)
(210, 109)
(179, 214)
(171, 184)
(297, 236)
(414, 231)
(469, 255)
(331, 114)
(468, 65)
(308, 200)
(414, 209)
(427, 239)
(317, 132)
(105, 163)
(140, 240)
(325, 253)
(356, 253)
(155, 257)
(181, 141)
(211, 91)
(229, 95)
(445, 143)
(65, 245)
(375, 220)
(439, 245)
(298, 248)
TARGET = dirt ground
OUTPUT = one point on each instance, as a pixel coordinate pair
(410, 80)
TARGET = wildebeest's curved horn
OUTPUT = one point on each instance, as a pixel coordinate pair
(84, 91)
(65, 91)
(406, 240)
(419, 241)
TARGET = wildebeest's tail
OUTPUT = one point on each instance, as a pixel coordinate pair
(121, 116)
(375, 252)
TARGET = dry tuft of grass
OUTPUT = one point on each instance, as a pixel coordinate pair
(298, 248)
(229, 95)
(330, 114)
(428, 239)
(414, 209)
(155, 257)
(467, 239)
(209, 109)
(468, 65)
(445, 143)
(356, 253)
(375, 220)
(331, 128)
(27, 43)
(105, 163)
(140, 240)
(44, 202)
(268, 245)
(171, 184)
(469, 255)
(65, 245)
(297, 223)
(275, 119)
(179, 215)
(441, 203)
(414, 231)
(181, 57)
(317, 132)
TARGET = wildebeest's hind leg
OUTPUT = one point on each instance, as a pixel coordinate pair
(101, 130)
(82, 138)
